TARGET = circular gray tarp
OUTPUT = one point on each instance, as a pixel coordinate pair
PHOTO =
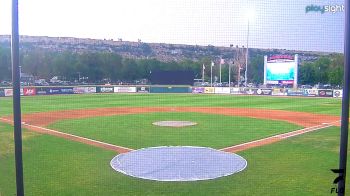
(180, 163)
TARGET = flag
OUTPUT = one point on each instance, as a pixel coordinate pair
(212, 64)
(222, 61)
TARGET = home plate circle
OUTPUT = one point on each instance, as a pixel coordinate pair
(174, 123)
(178, 163)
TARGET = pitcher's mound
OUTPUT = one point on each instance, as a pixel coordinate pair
(174, 123)
(178, 163)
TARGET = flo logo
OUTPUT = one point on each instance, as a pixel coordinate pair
(337, 180)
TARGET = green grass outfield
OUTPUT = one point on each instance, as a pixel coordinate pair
(54, 166)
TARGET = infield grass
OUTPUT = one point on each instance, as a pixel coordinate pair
(55, 166)
(137, 131)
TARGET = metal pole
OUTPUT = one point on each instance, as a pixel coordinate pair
(229, 76)
(345, 105)
(220, 71)
(211, 74)
(246, 58)
(16, 99)
(203, 67)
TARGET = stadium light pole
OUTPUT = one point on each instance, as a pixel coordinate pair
(250, 15)
(16, 99)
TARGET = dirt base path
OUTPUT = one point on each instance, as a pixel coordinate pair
(38, 121)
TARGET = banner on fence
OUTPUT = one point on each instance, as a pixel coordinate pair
(249, 91)
(103, 89)
(222, 90)
(142, 89)
(338, 93)
(57, 91)
(235, 91)
(295, 92)
(29, 91)
(198, 90)
(260, 91)
(8, 92)
(124, 89)
(279, 92)
(310, 92)
(209, 90)
(325, 93)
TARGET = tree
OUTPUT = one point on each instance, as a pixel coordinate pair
(5, 64)
(239, 62)
(307, 74)
(256, 69)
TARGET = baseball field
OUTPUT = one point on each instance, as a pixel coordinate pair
(290, 144)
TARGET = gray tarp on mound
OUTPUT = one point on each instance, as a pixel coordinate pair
(180, 163)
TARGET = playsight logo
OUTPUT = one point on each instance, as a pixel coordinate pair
(325, 8)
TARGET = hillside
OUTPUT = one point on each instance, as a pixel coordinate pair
(140, 50)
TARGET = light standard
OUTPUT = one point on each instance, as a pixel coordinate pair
(246, 58)
(250, 15)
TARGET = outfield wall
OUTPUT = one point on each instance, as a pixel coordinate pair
(64, 90)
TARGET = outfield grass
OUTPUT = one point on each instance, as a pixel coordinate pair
(54, 166)
(64, 102)
(137, 131)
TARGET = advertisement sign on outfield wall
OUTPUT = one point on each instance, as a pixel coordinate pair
(222, 90)
(198, 90)
(103, 89)
(235, 91)
(90, 89)
(325, 93)
(295, 92)
(310, 92)
(79, 90)
(260, 91)
(8, 92)
(55, 91)
(279, 92)
(142, 89)
(29, 91)
(249, 91)
(84, 90)
(209, 90)
(124, 89)
(2, 92)
(338, 93)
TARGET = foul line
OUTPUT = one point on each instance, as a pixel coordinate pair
(72, 137)
(275, 138)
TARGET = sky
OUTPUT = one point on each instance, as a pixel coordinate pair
(281, 24)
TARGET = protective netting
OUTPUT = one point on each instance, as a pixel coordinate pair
(180, 163)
